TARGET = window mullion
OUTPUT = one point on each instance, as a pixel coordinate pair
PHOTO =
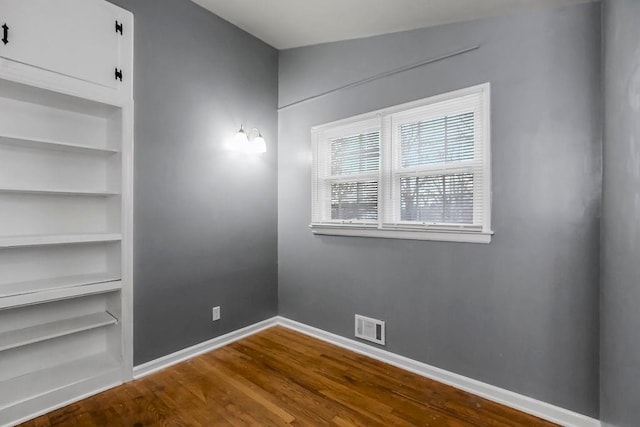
(385, 193)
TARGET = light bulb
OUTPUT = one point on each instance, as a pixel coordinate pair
(258, 145)
(241, 140)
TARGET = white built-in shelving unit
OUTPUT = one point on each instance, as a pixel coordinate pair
(66, 155)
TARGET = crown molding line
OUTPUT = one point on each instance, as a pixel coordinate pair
(382, 75)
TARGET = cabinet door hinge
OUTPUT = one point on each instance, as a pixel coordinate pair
(119, 27)
(118, 74)
(5, 33)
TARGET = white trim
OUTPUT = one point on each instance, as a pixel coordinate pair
(487, 182)
(126, 248)
(517, 401)
(198, 349)
(441, 236)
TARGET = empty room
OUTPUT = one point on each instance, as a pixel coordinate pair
(319, 213)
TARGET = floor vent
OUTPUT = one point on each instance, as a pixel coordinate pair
(370, 329)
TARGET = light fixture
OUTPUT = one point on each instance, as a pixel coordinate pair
(258, 144)
(250, 144)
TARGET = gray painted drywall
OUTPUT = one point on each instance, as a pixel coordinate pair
(620, 346)
(205, 220)
(520, 313)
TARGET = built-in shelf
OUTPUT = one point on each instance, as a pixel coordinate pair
(40, 383)
(51, 330)
(58, 239)
(57, 192)
(66, 170)
(39, 291)
(54, 145)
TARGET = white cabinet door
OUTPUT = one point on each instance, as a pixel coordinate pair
(76, 38)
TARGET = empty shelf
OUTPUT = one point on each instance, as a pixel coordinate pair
(56, 283)
(16, 390)
(59, 328)
(58, 192)
(54, 145)
(38, 291)
(62, 239)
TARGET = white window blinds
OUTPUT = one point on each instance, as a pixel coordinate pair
(347, 175)
(353, 157)
(438, 166)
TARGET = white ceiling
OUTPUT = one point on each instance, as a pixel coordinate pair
(291, 23)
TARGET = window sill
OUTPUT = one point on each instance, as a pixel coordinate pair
(440, 236)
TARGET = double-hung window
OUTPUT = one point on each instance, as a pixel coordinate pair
(414, 171)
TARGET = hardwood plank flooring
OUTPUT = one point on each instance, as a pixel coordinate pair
(279, 377)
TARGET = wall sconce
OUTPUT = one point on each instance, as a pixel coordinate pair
(250, 143)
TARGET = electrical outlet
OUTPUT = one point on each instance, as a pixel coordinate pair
(216, 313)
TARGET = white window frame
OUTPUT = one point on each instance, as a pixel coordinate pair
(324, 174)
(386, 120)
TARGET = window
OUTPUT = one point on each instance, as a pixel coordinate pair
(415, 171)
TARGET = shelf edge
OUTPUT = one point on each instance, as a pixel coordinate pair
(56, 329)
(62, 293)
(54, 240)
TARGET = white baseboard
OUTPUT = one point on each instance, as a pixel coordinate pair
(182, 355)
(517, 401)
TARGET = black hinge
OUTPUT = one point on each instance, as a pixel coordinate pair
(119, 26)
(118, 74)
(5, 33)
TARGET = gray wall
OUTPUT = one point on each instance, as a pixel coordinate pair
(205, 220)
(620, 345)
(520, 313)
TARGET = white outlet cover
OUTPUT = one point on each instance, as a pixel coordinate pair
(216, 313)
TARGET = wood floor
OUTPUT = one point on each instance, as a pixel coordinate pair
(278, 378)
